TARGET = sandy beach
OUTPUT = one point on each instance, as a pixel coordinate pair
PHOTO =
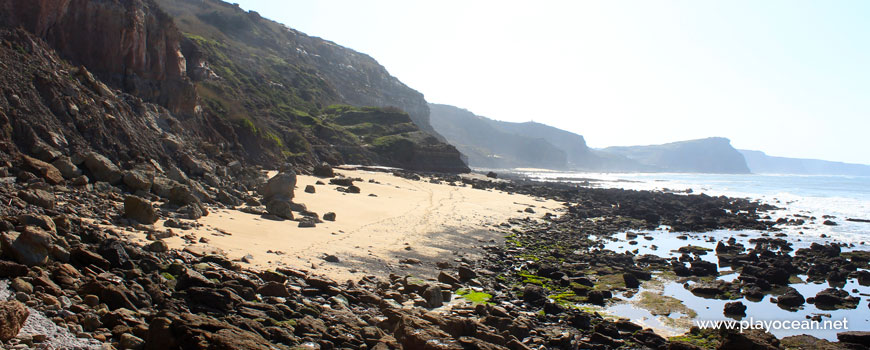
(392, 219)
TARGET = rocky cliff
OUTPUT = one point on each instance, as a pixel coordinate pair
(131, 45)
(248, 88)
(488, 146)
(761, 163)
(710, 155)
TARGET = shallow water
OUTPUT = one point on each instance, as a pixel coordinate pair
(712, 309)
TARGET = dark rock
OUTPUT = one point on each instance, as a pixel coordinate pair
(274, 289)
(9, 269)
(140, 210)
(534, 294)
(330, 216)
(630, 280)
(444, 277)
(855, 337)
(191, 278)
(342, 181)
(491, 175)
(310, 189)
(735, 309)
(835, 298)
(66, 167)
(323, 170)
(791, 298)
(281, 208)
(352, 189)
(433, 296)
(466, 274)
(829, 223)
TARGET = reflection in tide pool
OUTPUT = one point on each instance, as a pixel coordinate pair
(665, 244)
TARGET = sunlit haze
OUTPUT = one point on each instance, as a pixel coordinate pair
(790, 78)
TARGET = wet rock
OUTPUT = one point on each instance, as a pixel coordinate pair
(751, 339)
(13, 314)
(102, 168)
(140, 210)
(833, 298)
(791, 298)
(38, 198)
(735, 309)
(855, 337)
(630, 280)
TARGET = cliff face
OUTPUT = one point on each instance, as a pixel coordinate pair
(253, 89)
(761, 163)
(488, 146)
(131, 45)
(46, 104)
(710, 155)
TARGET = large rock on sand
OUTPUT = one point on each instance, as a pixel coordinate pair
(13, 315)
(140, 210)
(280, 186)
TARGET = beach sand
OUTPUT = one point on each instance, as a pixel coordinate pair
(371, 234)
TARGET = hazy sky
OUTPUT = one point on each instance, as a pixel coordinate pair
(787, 77)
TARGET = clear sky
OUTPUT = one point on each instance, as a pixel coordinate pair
(788, 77)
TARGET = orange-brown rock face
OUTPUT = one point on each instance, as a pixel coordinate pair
(131, 44)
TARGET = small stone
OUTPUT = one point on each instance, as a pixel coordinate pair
(310, 189)
(330, 216)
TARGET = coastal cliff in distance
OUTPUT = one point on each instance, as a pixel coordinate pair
(761, 163)
(233, 85)
(710, 155)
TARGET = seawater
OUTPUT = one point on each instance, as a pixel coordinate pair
(839, 196)
(811, 195)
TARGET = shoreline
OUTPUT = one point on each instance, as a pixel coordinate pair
(518, 280)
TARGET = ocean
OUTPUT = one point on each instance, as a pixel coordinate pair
(834, 198)
(842, 197)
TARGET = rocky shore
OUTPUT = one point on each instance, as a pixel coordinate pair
(71, 278)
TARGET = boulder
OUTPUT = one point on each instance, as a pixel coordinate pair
(323, 170)
(735, 309)
(280, 186)
(343, 181)
(31, 247)
(432, 295)
(281, 208)
(13, 314)
(102, 168)
(791, 298)
(137, 181)
(66, 167)
(42, 169)
(534, 294)
(630, 280)
(274, 289)
(38, 198)
(140, 210)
